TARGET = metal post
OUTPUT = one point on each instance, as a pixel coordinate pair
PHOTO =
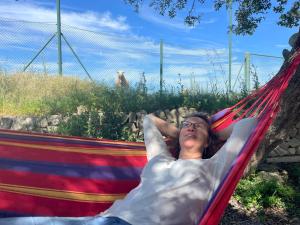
(39, 52)
(59, 38)
(161, 65)
(230, 44)
(76, 56)
(247, 71)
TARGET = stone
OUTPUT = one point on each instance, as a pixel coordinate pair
(81, 109)
(292, 151)
(140, 118)
(51, 129)
(192, 110)
(134, 128)
(284, 145)
(168, 115)
(293, 40)
(132, 117)
(280, 151)
(292, 132)
(174, 115)
(182, 111)
(272, 153)
(66, 119)
(140, 115)
(44, 130)
(54, 120)
(294, 142)
(298, 151)
(161, 114)
(21, 123)
(285, 54)
(180, 120)
(298, 125)
(280, 177)
(281, 135)
(43, 123)
(6, 122)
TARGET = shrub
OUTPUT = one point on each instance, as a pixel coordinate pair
(258, 193)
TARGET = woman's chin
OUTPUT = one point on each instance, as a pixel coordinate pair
(190, 143)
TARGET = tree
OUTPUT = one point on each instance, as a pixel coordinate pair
(248, 13)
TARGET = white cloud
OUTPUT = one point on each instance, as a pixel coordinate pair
(111, 45)
(87, 20)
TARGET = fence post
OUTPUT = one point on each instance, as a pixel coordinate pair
(161, 66)
(59, 38)
(230, 44)
(247, 71)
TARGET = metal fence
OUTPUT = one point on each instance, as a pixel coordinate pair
(103, 54)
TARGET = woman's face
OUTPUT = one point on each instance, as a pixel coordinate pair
(194, 133)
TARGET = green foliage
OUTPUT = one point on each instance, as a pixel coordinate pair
(254, 75)
(75, 126)
(248, 13)
(256, 192)
(35, 94)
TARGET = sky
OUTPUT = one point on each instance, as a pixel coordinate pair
(108, 36)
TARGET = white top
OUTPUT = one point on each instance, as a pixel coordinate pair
(176, 192)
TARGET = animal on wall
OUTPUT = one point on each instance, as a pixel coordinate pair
(121, 80)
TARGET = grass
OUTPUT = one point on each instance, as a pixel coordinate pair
(258, 193)
(29, 94)
(38, 94)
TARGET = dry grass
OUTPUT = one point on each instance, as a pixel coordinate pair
(26, 93)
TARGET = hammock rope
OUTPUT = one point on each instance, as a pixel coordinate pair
(267, 111)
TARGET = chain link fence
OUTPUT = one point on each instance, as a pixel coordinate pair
(103, 54)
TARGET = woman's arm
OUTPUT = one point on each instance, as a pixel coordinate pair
(165, 128)
(154, 128)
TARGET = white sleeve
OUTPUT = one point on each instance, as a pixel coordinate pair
(154, 141)
(224, 158)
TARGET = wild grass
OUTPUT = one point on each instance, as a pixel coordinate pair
(39, 94)
(32, 94)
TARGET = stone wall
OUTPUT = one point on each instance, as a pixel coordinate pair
(49, 124)
(37, 124)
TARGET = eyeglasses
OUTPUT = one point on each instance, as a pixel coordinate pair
(187, 124)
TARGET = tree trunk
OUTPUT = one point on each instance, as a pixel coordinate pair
(287, 121)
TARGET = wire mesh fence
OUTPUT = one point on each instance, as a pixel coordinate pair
(104, 55)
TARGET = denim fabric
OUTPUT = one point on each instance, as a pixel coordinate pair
(92, 220)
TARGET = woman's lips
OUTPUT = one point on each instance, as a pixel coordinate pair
(191, 134)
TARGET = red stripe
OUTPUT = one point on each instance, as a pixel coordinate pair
(20, 153)
(67, 183)
(38, 206)
(74, 138)
(110, 147)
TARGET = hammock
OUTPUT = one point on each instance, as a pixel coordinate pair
(48, 175)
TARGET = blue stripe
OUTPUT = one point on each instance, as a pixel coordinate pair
(5, 214)
(67, 141)
(92, 172)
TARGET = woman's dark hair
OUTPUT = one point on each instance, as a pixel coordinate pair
(210, 150)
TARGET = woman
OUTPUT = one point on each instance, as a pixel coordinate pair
(172, 190)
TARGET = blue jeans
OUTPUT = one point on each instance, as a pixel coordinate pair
(90, 220)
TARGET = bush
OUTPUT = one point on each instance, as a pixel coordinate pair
(258, 193)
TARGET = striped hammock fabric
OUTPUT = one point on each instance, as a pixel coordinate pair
(65, 176)
(48, 175)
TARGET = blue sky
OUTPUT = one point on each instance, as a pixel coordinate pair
(109, 36)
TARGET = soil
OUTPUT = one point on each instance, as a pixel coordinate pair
(236, 214)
